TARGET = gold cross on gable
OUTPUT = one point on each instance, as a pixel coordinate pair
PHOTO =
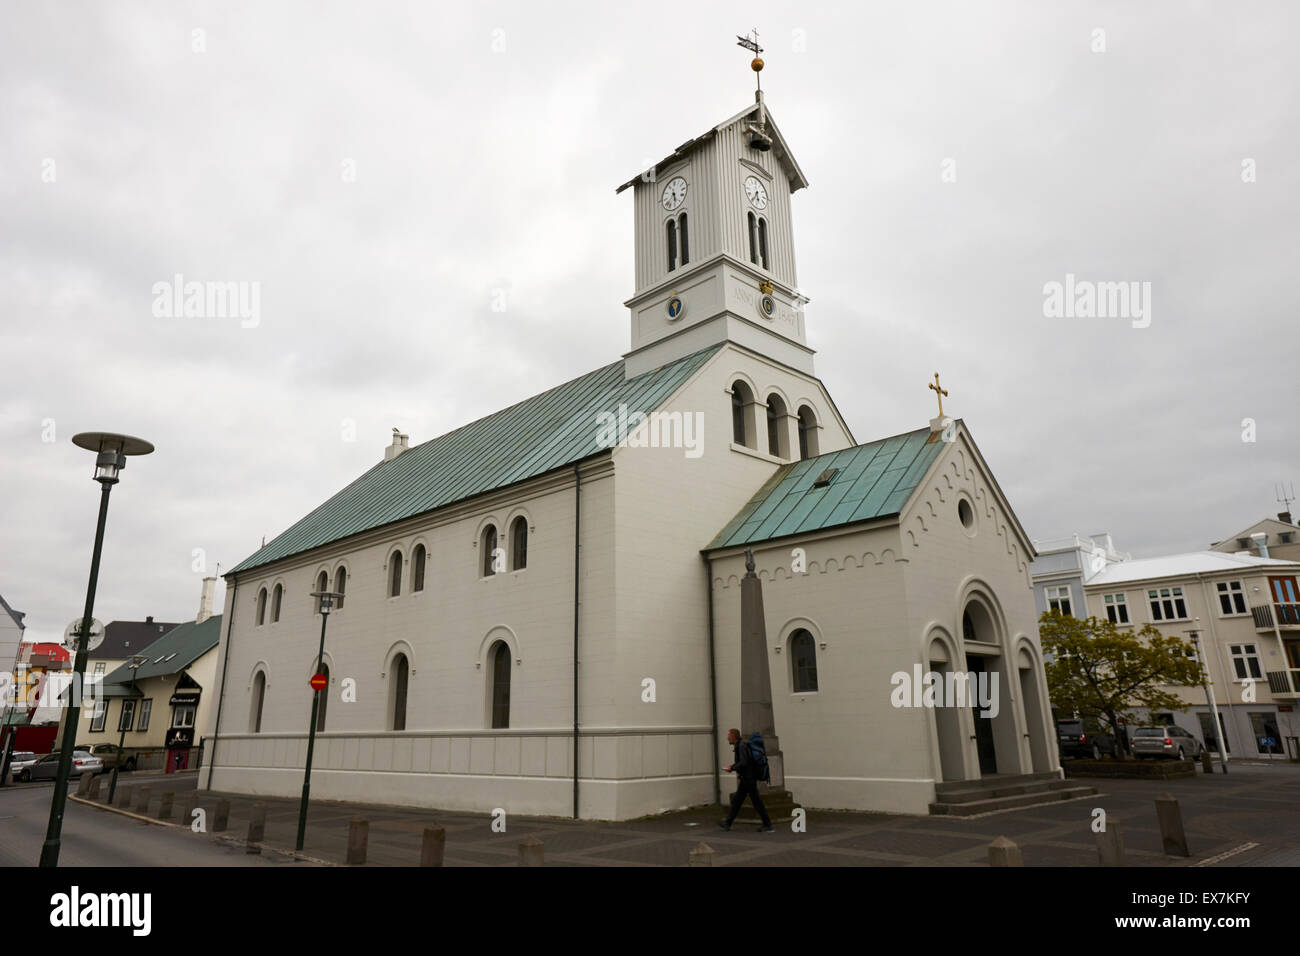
(939, 393)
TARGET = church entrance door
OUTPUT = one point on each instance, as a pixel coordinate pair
(984, 743)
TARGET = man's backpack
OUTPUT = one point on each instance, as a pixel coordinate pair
(758, 753)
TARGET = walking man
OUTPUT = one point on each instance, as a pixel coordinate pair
(746, 771)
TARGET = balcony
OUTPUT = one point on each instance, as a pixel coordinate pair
(1284, 683)
(1286, 615)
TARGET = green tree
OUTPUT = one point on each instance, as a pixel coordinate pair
(1095, 669)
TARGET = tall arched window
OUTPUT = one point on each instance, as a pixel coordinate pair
(741, 399)
(340, 585)
(519, 544)
(418, 558)
(500, 685)
(968, 627)
(259, 697)
(488, 544)
(276, 596)
(762, 241)
(776, 439)
(683, 239)
(324, 699)
(395, 574)
(803, 662)
(672, 244)
(753, 238)
(322, 584)
(261, 607)
(400, 670)
(807, 433)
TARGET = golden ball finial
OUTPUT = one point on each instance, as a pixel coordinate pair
(757, 64)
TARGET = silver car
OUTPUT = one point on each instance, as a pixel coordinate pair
(47, 767)
(1169, 740)
(19, 760)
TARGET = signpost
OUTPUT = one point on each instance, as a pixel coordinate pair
(319, 682)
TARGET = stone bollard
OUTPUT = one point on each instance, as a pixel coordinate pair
(1003, 852)
(257, 826)
(702, 855)
(124, 797)
(165, 805)
(92, 792)
(221, 818)
(358, 838)
(1207, 763)
(1110, 844)
(435, 843)
(531, 852)
(1172, 834)
(142, 800)
(83, 784)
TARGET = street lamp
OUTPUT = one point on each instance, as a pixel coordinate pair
(1219, 733)
(135, 663)
(326, 603)
(111, 452)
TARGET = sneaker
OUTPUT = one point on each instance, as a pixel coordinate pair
(767, 829)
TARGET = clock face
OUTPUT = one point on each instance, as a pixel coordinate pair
(756, 192)
(674, 193)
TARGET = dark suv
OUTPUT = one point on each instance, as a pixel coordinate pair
(1084, 737)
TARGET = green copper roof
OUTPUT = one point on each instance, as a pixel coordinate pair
(540, 434)
(872, 481)
(170, 654)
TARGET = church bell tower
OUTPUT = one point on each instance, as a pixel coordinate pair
(715, 247)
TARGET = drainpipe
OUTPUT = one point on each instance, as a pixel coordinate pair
(221, 696)
(713, 685)
(577, 566)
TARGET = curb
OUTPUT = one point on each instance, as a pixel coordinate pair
(215, 837)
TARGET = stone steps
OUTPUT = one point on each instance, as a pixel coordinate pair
(965, 798)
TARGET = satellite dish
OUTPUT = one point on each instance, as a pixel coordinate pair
(73, 631)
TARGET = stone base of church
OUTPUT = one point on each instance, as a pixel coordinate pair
(874, 795)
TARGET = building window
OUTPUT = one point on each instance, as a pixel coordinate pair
(519, 544)
(807, 433)
(127, 717)
(259, 697)
(1267, 738)
(1116, 608)
(261, 607)
(500, 685)
(762, 241)
(324, 699)
(146, 707)
(683, 239)
(1232, 599)
(803, 662)
(753, 238)
(401, 670)
(395, 574)
(101, 712)
(1058, 600)
(183, 716)
(418, 558)
(340, 584)
(1245, 661)
(488, 543)
(741, 399)
(775, 424)
(322, 585)
(968, 628)
(672, 244)
(1167, 604)
(276, 597)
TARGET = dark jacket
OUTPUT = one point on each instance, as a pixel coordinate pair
(744, 766)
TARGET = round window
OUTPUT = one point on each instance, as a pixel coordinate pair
(966, 513)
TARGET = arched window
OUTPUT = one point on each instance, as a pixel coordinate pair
(261, 607)
(762, 241)
(340, 583)
(259, 697)
(500, 685)
(776, 439)
(807, 433)
(395, 574)
(519, 544)
(489, 545)
(672, 244)
(683, 239)
(753, 238)
(324, 699)
(400, 674)
(418, 557)
(276, 596)
(322, 584)
(968, 627)
(741, 399)
(803, 662)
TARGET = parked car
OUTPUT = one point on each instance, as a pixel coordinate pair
(47, 767)
(1169, 740)
(1084, 737)
(18, 760)
(108, 753)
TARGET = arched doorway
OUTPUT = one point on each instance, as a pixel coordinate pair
(1039, 752)
(990, 688)
(947, 720)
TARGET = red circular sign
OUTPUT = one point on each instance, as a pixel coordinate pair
(318, 681)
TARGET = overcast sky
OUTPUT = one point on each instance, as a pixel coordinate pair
(389, 171)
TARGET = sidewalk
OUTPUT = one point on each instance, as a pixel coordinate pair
(1252, 805)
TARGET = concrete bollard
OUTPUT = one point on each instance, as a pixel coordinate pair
(142, 800)
(1110, 844)
(124, 797)
(257, 825)
(358, 838)
(435, 844)
(165, 805)
(701, 855)
(531, 852)
(1207, 763)
(221, 818)
(1003, 852)
(1172, 834)
(83, 784)
(92, 792)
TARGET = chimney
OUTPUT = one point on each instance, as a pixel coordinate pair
(205, 599)
(1284, 517)
(399, 445)
(149, 619)
(1261, 542)
(1103, 540)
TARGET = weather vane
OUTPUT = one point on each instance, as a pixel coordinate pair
(939, 393)
(751, 43)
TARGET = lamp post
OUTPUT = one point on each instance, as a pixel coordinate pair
(1209, 697)
(111, 454)
(135, 663)
(326, 603)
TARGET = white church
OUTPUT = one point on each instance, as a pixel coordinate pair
(540, 611)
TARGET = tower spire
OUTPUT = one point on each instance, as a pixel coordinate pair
(759, 139)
